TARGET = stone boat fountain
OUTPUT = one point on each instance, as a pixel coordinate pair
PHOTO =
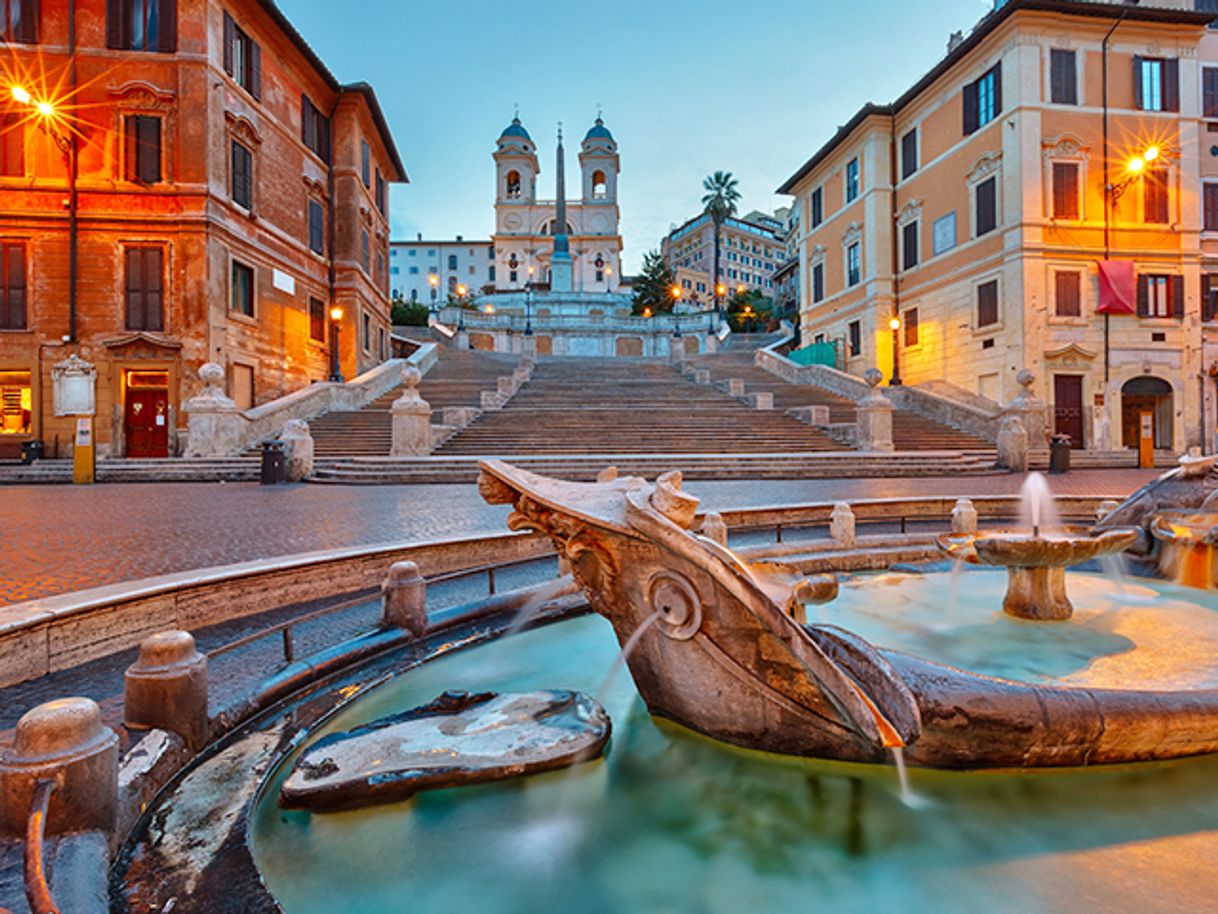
(714, 646)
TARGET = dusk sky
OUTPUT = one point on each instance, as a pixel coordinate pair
(687, 88)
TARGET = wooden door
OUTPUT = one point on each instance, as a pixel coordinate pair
(1068, 407)
(147, 423)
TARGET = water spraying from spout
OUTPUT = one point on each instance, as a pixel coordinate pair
(631, 643)
(1037, 508)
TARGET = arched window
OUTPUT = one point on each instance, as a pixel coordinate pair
(552, 228)
(513, 185)
(600, 186)
(452, 261)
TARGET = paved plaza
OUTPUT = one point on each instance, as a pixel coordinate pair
(58, 539)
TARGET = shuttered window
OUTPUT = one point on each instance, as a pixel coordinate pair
(142, 25)
(909, 246)
(1209, 296)
(1156, 83)
(317, 319)
(142, 140)
(1209, 91)
(1065, 190)
(314, 129)
(365, 163)
(1154, 197)
(816, 203)
(854, 265)
(982, 100)
(1160, 296)
(909, 154)
(818, 282)
(854, 333)
(1067, 293)
(987, 303)
(242, 58)
(380, 192)
(243, 176)
(1063, 77)
(242, 291)
(317, 231)
(1211, 207)
(910, 323)
(144, 288)
(12, 146)
(12, 286)
(20, 23)
(365, 252)
(986, 194)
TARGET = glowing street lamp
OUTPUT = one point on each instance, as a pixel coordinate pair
(434, 281)
(676, 299)
(336, 316)
(20, 95)
(894, 324)
(528, 304)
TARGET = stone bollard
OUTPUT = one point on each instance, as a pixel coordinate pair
(64, 741)
(735, 387)
(841, 525)
(490, 400)
(411, 419)
(214, 423)
(818, 415)
(762, 399)
(166, 688)
(702, 376)
(1013, 444)
(1106, 508)
(297, 449)
(713, 528)
(964, 516)
(874, 417)
(404, 599)
(506, 385)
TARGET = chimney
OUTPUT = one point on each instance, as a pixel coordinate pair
(459, 238)
(420, 236)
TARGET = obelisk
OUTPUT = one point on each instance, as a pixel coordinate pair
(561, 266)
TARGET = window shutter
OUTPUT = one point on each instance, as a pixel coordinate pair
(997, 71)
(153, 297)
(135, 288)
(16, 286)
(1171, 84)
(168, 39)
(27, 25)
(255, 85)
(1210, 92)
(148, 138)
(1177, 297)
(970, 108)
(1143, 297)
(1065, 190)
(324, 137)
(131, 141)
(1137, 82)
(1207, 301)
(115, 10)
(307, 124)
(230, 36)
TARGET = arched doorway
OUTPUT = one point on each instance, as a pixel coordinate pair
(1150, 395)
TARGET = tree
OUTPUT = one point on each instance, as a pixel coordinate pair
(408, 313)
(749, 310)
(653, 286)
(719, 202)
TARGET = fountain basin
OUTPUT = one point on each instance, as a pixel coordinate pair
(1187, 542)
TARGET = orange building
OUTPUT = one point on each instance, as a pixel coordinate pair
(1037, 199)
(181, 181)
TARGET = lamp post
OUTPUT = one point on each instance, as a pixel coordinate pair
(528, 304)
(894, 324)
(434, 281)
(336, 316)
(676, 300)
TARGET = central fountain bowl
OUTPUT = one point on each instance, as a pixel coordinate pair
(1036, 564)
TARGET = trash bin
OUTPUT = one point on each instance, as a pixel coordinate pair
(1059, 454)
(31, 451)
(273, 468)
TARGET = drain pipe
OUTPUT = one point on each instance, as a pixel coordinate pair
(1108, 201)
(894, 242)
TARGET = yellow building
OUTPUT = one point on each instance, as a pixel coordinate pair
(1056, 142)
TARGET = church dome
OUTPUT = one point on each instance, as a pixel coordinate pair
(598, 131)
(515, 129)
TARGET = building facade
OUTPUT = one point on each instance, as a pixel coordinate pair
(1039, 199)
(455, 264)
(751, 250)
(197, 188)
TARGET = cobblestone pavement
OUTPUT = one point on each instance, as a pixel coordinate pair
(58, 539)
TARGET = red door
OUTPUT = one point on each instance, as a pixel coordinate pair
(1068, 407)
(147, 421)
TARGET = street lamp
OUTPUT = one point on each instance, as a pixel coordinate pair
(528, 304)
(894, 324)
(336, 316)
(676, 300)
(434, 281)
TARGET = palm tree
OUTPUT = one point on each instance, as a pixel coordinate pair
(719, 202)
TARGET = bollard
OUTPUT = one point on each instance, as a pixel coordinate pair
(964, 516)
(841, 524)
(735, 387)
(404, 599)
(64, 741)
(713, 528)
(166, 688)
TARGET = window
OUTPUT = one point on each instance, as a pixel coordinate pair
(1211, 207)
(452, 261)
(512, 274)
(12, 286)
(365, 251)
(365, 163)
(1209, 91)
(818, 282)
(909, 245)
(909, 154)
(490, 273)
(1156, 83)
(987, 303)
(983, 100)
(414, 271)
(317, 319)
(911, 327)
(16, 403)
(1160, 296)
(366, 331)
(1209, 296)
(380, 192)
(986, 200)
(1065, 190)
(243, 176)
(854, 265)
(314, 129)
(944, 233)
(1063, 77)
(139, 25)
(143, 287)
(12, 146)
(317, 228)
(142, 137)
(854, 335)
(852, 180)
(380, 345)
(1067, 293)
(1154, 197)
(242, 289)
(20, 22)
(242, 58)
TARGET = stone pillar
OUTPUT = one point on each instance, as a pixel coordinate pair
(713, 528)
(1031, 411)
(214, 423)
(297, 449)
(702, 376)
(841, 525)
(1013, 444)
(411, 419)
(964, 516)
(874, 417)
(404, 599)
(735, 387)
(64, 741)
(528, 345)
(166, 688)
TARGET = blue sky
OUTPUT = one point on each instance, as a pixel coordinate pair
(687, 88)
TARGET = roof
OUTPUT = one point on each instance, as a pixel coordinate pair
(515, 128)
(378, 117)
(598, 131)
(1096, 9)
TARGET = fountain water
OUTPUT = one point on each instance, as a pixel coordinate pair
(1037, 506)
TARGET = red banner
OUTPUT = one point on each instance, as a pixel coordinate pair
(1118, 286)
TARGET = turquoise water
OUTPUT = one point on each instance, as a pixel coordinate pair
(671, 823)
